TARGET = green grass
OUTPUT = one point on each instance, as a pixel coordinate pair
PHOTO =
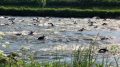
(61, 8)
(59, 12)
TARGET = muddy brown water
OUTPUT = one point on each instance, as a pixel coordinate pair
(65, 36)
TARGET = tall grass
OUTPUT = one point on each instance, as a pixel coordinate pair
(81, 58)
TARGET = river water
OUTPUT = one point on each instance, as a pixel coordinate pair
(61, 38)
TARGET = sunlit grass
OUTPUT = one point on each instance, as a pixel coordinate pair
(59, 9)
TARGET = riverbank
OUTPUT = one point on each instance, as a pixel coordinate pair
(59, 12)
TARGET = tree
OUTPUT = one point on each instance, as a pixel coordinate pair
(43, 3)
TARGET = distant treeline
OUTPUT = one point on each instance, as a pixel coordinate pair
(62, 3)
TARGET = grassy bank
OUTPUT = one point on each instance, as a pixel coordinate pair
(59, 12)
(61, 8)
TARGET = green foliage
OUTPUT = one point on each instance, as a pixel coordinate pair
(61, 8)
(43, 3)
(62, 3)
(59, 12)
(81, 58)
